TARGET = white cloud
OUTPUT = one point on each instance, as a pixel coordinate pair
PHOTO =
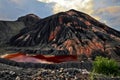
(64, 5)
(110, 10)
(110, 15)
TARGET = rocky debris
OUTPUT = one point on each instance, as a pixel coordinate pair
(60, 74)
(29, 19)
(73, 32)
(16, 73)
(40, 73)
(7, 75)
(67, 74)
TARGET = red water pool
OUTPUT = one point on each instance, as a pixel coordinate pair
(21, 57)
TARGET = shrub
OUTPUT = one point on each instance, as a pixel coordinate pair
(106, 66)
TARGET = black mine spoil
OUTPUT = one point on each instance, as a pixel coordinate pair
(73, 64)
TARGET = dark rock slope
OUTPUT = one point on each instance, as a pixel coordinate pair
(9, 29)
(70, 32)
(29, 19)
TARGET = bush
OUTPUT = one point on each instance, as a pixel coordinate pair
(106, 66)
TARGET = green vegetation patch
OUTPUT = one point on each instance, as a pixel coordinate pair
(106, 66)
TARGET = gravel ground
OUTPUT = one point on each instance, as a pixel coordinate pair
(65, 71)
(8, 72)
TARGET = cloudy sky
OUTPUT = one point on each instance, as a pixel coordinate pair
(106, 11)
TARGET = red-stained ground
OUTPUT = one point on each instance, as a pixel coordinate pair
(21, 57)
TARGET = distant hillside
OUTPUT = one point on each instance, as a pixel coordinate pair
(9, 29)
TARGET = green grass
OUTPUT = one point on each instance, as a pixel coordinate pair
(106, 67)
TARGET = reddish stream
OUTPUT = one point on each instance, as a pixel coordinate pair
(49, 59)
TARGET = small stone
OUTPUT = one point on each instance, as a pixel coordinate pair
(61, 71)
(53, 72)
(12, 73)
(17, 78)
(75, 78)
(84, 71)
